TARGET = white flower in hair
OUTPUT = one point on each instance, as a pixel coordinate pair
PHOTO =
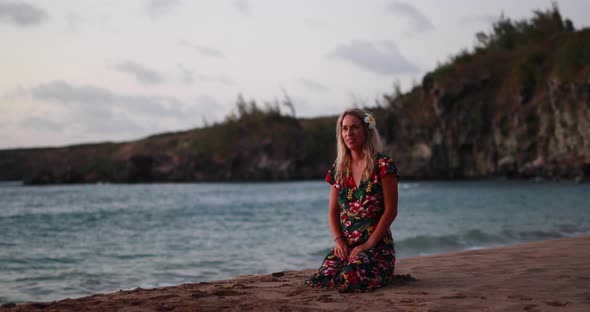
(369, 119)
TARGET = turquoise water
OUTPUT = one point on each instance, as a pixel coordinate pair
(75, 240)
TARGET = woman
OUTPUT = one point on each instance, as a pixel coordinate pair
(363, 204)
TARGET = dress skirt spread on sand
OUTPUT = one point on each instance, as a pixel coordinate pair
(360, 210)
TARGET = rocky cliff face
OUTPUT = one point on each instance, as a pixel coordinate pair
(548, 138)
(477, 122)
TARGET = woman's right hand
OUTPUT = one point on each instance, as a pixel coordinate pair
(341, 250)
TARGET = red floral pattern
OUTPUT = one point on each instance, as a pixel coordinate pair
(360, 210)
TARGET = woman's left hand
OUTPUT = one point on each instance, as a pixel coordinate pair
(356, 250)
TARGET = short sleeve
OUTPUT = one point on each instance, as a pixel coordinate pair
(385, 166)
(330, 175)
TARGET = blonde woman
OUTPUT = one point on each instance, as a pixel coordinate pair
(362, 207)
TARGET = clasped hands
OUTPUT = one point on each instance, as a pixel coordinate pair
(342, 251)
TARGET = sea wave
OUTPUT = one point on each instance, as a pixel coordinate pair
(421, 245)
(478, 239)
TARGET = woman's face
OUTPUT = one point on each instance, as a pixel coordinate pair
(353, 132)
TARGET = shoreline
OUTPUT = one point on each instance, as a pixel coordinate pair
(549, 275)
(533, 179)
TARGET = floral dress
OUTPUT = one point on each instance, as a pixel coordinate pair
(360, 210)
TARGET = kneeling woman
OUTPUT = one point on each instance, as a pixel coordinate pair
(363, 204)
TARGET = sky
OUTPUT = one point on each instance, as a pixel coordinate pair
(84, 71)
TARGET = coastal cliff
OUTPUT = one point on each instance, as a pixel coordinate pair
(522, 111)
(257, 147)
(517, 106)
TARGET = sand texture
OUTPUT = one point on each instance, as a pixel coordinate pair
(552, 275)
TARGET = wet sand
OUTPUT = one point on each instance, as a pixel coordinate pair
(551, 275)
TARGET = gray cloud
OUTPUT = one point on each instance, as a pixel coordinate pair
(22, 14)
(85, 100)
(115, 125)
(102, 110)
(243, 6)
(206, 51)
(41, 124)
(485, 19)
(419, 22)
(207, 101)
(222, 79)
(73, 21)
(13, 95)
(186, 75)
(213, 111)
(386, 61)
(203, 50)
(159, 8)
(104, 100)
(97, 113)
(312, 85)
(142, 74)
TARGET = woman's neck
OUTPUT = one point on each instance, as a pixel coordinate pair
(357, 156)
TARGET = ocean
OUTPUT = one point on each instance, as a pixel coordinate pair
(68, 241)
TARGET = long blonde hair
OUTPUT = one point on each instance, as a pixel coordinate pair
(371, 146)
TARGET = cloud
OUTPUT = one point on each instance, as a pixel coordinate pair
(486, 19)
(387, 60)
(159, 8)
(213, 111)
(315, 23)
(418, 22)
(22, 14)
(117, 124)
(206, 51)
(142, 74)
(208, 102)
(203, 50)
(102, 110)
(13, 95)
(73, 21)
(222, 79)
(186, 75)
(41, 124)
(312, 85)
(101, 99)
(243, 6)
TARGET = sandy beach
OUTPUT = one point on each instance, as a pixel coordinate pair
(551, 275)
